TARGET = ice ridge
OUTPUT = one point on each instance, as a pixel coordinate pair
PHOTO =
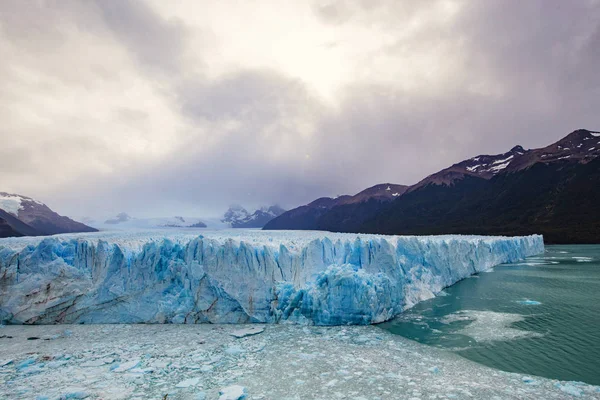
(316, 278)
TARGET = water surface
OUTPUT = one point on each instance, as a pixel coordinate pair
(538, 317)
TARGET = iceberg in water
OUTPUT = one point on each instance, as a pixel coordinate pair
(317, 278)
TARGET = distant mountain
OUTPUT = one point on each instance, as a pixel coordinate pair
(24, 216)
(6, 230)
(121, 217)
(580, 146)
(238, 217)
(348, 211)
(552, 190)
(125, 221)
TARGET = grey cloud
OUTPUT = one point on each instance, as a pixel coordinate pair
(245, 139)
(156, 43)
(234, 96)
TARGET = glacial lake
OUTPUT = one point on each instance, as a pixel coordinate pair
(538, 317)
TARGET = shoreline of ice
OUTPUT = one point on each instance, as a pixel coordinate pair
(292, 362)
(237, 276)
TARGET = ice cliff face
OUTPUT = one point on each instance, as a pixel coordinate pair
(225, 277)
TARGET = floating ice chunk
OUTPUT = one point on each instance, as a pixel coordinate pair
(455, 317)
(234, 392)
(434, 370)
(215, 359)
(250, 331)
(5, 362)
(362, 339)
(583, 259)
(25, 363)
(32, 369)
(528, 302)
(188, 383)
(234, 350)
(56, 363)
(161, 364)
(74, 394)
(528, 380)
(148, 370)
(569, 389)
(127, 366)
(201, 396)
(489, 326)
(98, 362)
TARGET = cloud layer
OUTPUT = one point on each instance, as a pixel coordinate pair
(184, 108)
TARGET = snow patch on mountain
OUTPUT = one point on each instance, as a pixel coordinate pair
(238, 217)
(13, 203)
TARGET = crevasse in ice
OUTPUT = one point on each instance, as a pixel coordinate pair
(316, 278)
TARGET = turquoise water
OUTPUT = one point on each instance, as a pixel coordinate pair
(540, 317)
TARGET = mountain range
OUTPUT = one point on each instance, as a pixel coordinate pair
(124, 221)
(235, 217)
(552, 190)
(238, 217)
(24, 216)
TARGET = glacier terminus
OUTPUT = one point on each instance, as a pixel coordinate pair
(309, 277)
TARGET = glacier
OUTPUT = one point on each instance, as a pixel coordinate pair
(306, 277)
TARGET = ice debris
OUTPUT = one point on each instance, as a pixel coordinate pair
(434, 370)
(310, 362)
(5, 362)
(528, 302)
(234, 392)
(528, 380)
(127, 366)
(188, 383)
(488, 326)
(74, 394)
(570, 388)
(252, 330)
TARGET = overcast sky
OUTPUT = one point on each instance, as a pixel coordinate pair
(163, 108)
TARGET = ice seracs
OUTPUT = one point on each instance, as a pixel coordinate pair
(237, 277)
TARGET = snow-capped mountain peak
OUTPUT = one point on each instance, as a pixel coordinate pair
(24, 216)
(489, 165)
(580, 146)
(13, 203)
(238, 217)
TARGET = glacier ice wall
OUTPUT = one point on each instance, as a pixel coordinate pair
(224, 277)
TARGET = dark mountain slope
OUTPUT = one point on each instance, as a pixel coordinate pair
(558, 200)
(6, 230)
(549, 190)
(304, 217)
(351, 210)
(17, 227)
(29, 217)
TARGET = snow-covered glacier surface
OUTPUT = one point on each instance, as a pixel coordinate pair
(319, 278)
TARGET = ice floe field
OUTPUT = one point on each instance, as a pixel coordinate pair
(220, 362)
